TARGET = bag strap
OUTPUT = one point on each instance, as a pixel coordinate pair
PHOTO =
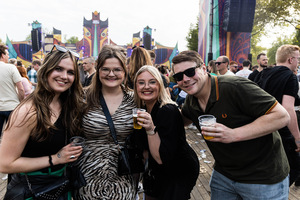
(108, 118)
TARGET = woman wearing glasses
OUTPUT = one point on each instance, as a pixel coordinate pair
(35, 139)
(99, 160)
(173, 165)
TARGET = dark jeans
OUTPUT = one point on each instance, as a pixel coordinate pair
(3, 118)
(293, 157)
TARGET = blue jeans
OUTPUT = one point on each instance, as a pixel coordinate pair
(3, 118)
(223, 188)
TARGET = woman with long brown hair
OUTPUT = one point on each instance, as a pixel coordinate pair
(27, 85)
(35, 140)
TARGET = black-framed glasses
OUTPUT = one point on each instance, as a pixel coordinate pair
(190, 72)
(64, 50)
(219, 63)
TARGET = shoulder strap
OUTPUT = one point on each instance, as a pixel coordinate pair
(108, 118)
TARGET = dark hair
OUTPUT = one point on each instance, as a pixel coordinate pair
(152, 54)
(36, 62)
(246, 63)
(2, 49)
(261, 54)
(19, 63)
(188, 55)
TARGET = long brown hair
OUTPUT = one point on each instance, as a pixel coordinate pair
(42, 96)
(139, 57)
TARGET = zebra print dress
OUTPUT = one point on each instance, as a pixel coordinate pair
(99, 159)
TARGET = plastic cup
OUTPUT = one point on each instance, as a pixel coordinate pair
(207, 121)
(77, 141)
(135, 115)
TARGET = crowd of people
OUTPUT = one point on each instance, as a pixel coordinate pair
(255, 141)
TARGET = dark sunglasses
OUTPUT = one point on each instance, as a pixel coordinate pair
(64, 50)
(219, 63)
(142, 46)
(190, 72)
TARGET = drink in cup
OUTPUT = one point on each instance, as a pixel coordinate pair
(207, 121)
(77, 141)
(135, 115)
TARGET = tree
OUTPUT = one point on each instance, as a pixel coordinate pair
(273, 13)
(72, 39)
(275, 45)
(192, 38)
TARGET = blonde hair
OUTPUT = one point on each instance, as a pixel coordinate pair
(285, 51)
(163, 96)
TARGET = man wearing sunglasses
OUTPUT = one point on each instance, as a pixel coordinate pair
(250, 162)
(222, 66)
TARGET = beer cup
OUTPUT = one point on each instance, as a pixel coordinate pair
(208, 121)
(135, 115)
(77, 141)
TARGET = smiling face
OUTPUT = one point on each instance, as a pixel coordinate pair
(147, 87)
(191, 85)
(62, 76)
(111, 74)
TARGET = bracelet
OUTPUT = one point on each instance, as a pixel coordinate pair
(297, 142)
(151, 132)
(50, 161)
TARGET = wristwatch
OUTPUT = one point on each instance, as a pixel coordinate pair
(151, 132)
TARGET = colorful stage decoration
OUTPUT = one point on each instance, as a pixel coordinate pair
(235, 45)
(95, 36)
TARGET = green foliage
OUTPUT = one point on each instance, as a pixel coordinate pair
(275, 13)
(192, 38)
(275, 45)
(72, 40)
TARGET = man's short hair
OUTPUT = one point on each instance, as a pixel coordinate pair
(188, 55)
(91, 59)
(38, 62)
(246, 63)
(261, 54)
(225, 59)
(285, 52)
(2, 49)
(233, 63)
(12, 61)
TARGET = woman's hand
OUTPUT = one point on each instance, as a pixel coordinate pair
(67, 154)
(145, 120)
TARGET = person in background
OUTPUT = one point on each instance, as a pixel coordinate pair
(12, 61)
(34, 140)
(282, 83)
(11, 88)
(25, 80)
(245, 72)
(172, 163)
(99, 160)
(153, 56)
(262, 61)
(88, 65)
(32, 73)
(222, 63)
(250, 162)
(233, 66)
(139, 57)
(212, 69)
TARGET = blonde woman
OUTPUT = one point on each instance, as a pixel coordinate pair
(173, 165)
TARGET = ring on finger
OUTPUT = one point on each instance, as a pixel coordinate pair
(72, 157)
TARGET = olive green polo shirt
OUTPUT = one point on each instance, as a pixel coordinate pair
(235, 102)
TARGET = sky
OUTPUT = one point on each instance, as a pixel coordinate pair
(170, 20)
